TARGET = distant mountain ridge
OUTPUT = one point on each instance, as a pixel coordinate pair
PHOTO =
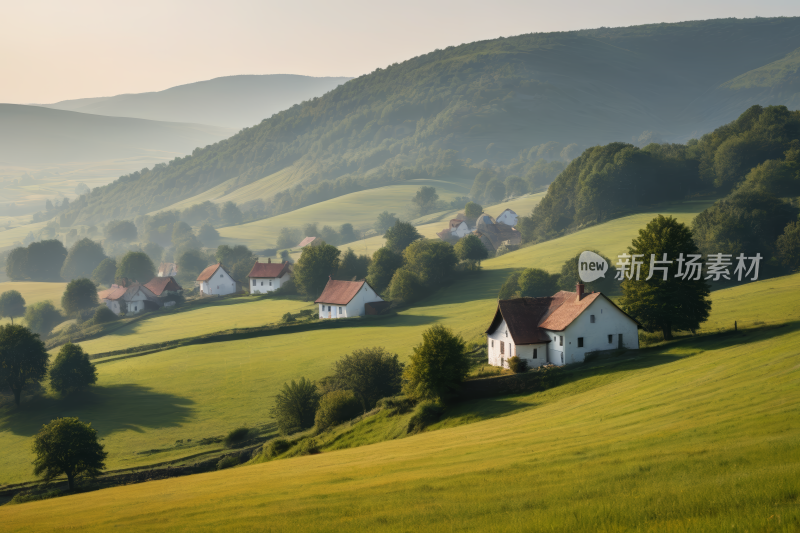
(495, 101)
(229, 101)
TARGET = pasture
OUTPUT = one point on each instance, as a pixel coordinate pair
(192, 382)
(687, 437)
(33, 292)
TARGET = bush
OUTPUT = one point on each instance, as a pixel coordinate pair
(438, 365)
(103, 315)
(275, 447)
(295, 406)
(337, 407)
(307, 446)
(287, 318)
(371, 373)
(42, 317)
(236, 437)
(396, 405)
(228, 462)
(426, 413)
(517, 365)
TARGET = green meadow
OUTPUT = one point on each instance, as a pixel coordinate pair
(690, 436)
(34, 292)
(194, 392)
(360, 209)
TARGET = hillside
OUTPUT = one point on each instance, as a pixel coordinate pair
(688, 437)
(231, 101)
(507, 101)
(228, 384)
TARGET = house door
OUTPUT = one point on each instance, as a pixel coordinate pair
(620, 341)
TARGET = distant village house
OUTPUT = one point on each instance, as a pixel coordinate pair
(216, 281)
(492, 233)
(269, 276)
(559, 329)
(342, 299)
(131, 299)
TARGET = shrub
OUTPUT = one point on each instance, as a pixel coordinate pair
(371, 373)
(287, 318)
(42, 317)
(236, 437)
(337, 407)
(426, 413)
(275, 447)
(308, 446)
(517, 365)
(396, 405)
(72, 371)
(295, 406)
(228, 462)
(438, 364)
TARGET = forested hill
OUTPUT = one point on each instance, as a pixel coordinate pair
(500, 101)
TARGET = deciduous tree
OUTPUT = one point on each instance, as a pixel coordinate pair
(371, 373)
(399, 236)
(68, 446)
(12, 305)
(80, 294)
(72, 370)
(313, 269)
(470, 248)
(42, 317)
(382, 267)
(84, 256)
(136, 266)
(438, 365)
(23, 359)
(105, 272)
(295, 406)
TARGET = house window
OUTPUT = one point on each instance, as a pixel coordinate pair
(220, 275)
(591, 319)
(534, 353)
(340, 310)
(502, 347)
(580, 342)
(561, 340)
(610, 339)
(329, 308)
(492, 343)
(270, 284)
(254, 283)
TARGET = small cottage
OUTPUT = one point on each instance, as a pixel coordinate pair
(559, 329)
(269, 276)
(508, 217)
(164, 286)
(342, 299)
(131, 299)
(216, 281)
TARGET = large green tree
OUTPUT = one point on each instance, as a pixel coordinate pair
(17, 263)
(313, 269)
(295, 406)
(399, 236)
(105, 272)
(352, 266)
(473, 211)
(536, 282)
(67, 446)
(84, 256)
(788, 246)
(371, 373)
(12, 305)
(121, 231)
(79, 295)
(671, 304)
(433, 261)
(23, 359)
(470, 248)
(136, 266)
(42, 317)
(45, 259)
(438, 365)
(382, 267)
(385, 221)
(72, 370)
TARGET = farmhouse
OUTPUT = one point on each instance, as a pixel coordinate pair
(492, 233)
(342, 299)
(268, 277)
(508, 217)
(559, 329)
(130, 300)
(216, 281)
(164, 286)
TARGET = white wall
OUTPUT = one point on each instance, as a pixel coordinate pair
(608, 321)
(461, 230)
(264, 285)
(508, 217)
(220, 284)
(354, 308)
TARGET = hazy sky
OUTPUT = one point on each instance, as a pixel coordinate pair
(53, 50)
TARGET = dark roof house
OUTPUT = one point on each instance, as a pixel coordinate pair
(163, 285)
(269, 269)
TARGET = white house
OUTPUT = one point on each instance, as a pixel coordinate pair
(559, 329)
(268, 277)
(342, 299)
(215, 281)
(131, 300)
(508, 217)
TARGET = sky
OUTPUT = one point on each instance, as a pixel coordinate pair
(53, 50)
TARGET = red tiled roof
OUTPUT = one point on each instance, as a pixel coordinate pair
(269, 270)
(209, 271)
(115, 292)
(527, 318)
(339, 292)
(162, 284)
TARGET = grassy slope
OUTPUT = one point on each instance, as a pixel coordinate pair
(359, 208)
(692, 437)
(34, 291)
(224, 315)
(229, 384)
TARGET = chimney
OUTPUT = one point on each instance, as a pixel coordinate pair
(269, 260)
(579, 291)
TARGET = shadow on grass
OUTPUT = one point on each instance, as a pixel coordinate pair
(109, 409)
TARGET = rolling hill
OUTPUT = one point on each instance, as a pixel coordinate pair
(501, 100)
(230, 101)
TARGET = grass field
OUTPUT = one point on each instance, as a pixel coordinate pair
(197, 405)
(33, 292)
(192, 321)
(689, 437)
(360, 209)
